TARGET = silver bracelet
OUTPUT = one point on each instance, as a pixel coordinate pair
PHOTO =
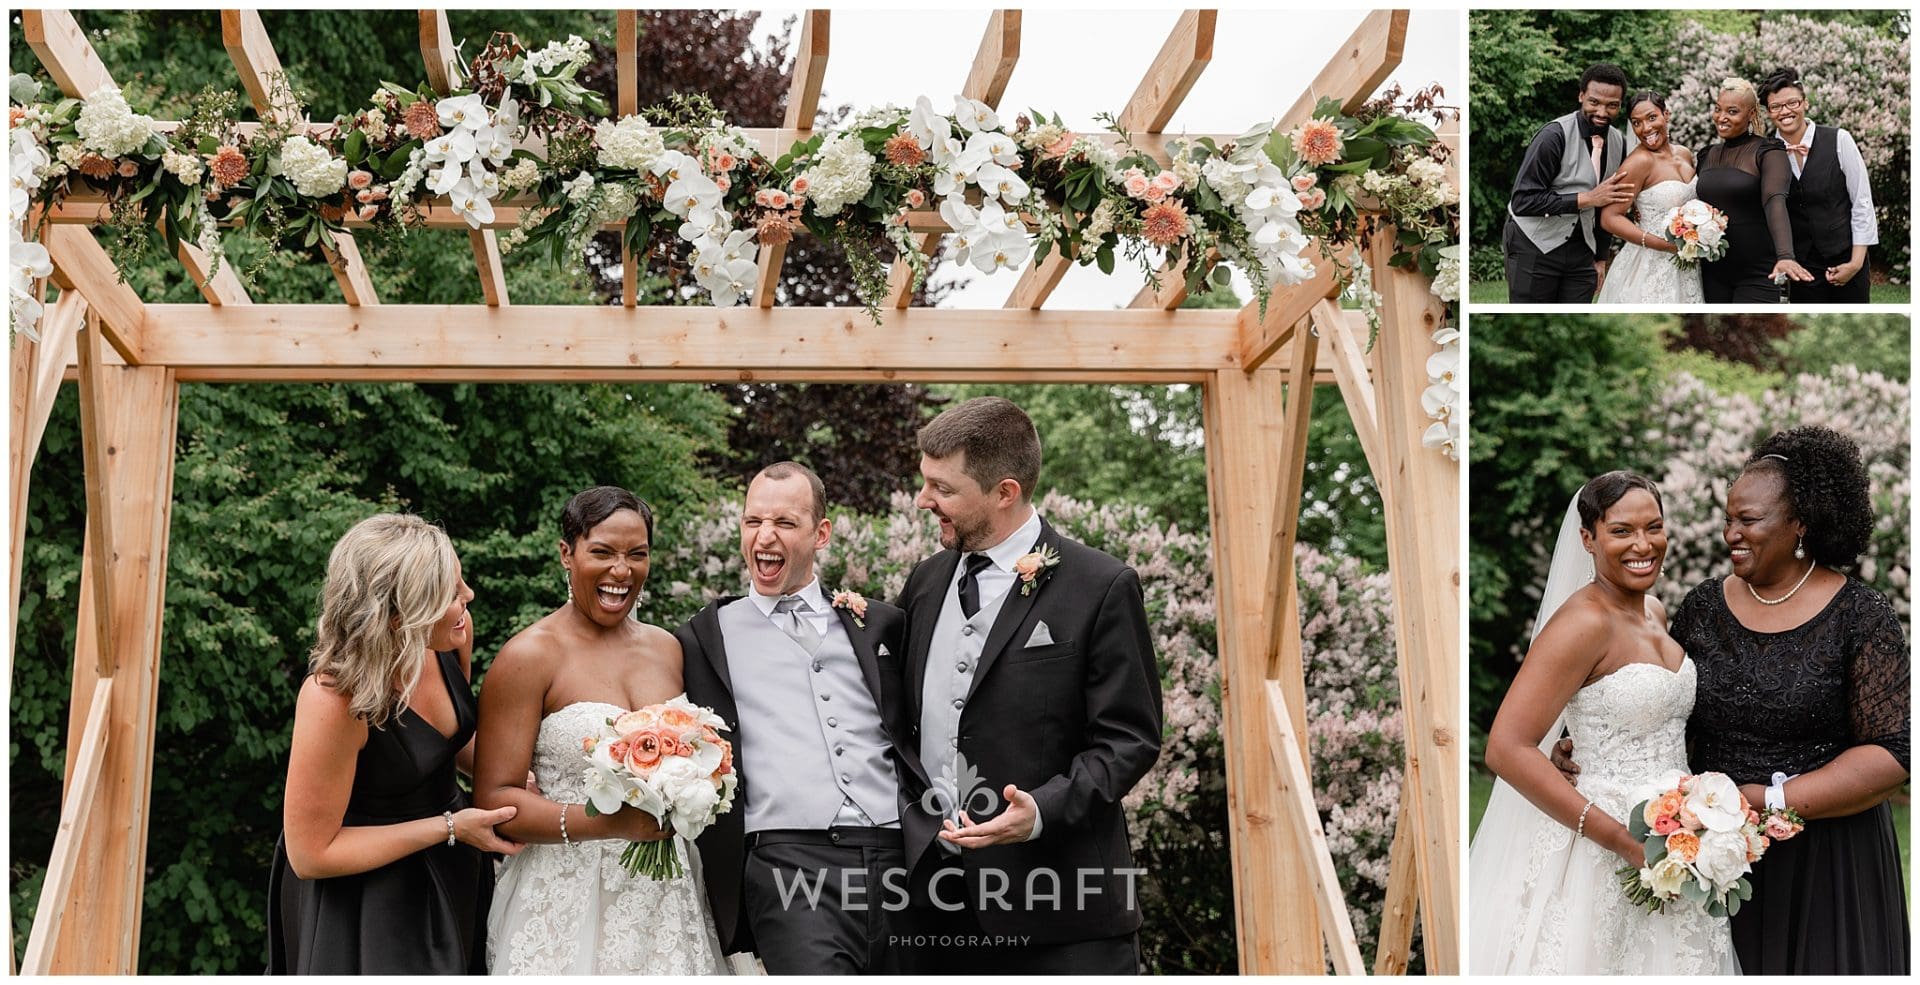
(1581, 831)
(564, 840)
(449, 816)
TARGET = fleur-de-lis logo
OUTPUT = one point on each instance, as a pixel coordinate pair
(960, 788)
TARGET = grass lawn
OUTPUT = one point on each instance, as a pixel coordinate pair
(1495, 292)
(1480, 787)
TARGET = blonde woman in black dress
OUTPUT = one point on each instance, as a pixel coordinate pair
(1747, 176)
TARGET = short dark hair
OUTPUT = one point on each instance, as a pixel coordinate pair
(1827, 488)
(1602, 491)
(590, 508)
(784, 470)
(997, 436)
(1659, 100)
(1776, 80)
(1605, 74)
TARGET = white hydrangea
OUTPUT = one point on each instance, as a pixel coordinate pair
(888, 116)
(630, 143)
(69, 155)
(842, 173)
(1446, 275)
(522, 175)
(578, 188)
(314, 172)
(1426, 171)
(187, 167)
(109, 127)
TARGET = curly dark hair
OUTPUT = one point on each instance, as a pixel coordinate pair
(1827, 489)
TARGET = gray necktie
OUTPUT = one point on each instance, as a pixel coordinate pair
(802, 631)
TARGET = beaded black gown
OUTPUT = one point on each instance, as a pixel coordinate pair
(1829, 901)
(424, 914)
(1747, 178)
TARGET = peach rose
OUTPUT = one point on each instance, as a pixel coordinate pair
(367, 212)
(1302, 182)
(1688, 819)
(916, 198)
(1779, 828)
(357, 180)
(777, 198)
(726, 760)
(637, 720)
(128, 169)
(1683, 845)
(1166, 181)
(644, 751)
(801, 184)
(1314, 199)
(724, 182)
(1666, 824)
(678, 718)
(363, 196)
(1138, 184)
(1155, 193)
(1059, 148)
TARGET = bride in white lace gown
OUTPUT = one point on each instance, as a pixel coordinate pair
(565, 905)
(1644, 271)
(1544, 897)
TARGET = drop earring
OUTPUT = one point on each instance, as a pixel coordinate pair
(1800, 548)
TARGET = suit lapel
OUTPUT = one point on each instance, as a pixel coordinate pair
(863, 651)
(713, 643)
(926, 612)
(1013, 612)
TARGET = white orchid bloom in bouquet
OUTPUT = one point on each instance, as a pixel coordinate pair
(692, 190)
(974, 115)
(468, 112)
(471, 203)
(927, 127)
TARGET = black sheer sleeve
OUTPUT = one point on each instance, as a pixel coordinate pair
(1878, 702)
(1533, 192)
(1686, 620)
(1776, 179)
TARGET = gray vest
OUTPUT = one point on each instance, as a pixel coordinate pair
(953, 656)
(816, 753)
(1548, 232)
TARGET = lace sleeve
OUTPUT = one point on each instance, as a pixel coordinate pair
(1776, 179)
(1878, 702)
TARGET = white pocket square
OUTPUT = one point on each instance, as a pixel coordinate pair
(1041, 637)
(882, 651)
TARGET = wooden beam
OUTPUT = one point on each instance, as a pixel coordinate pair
(1285, 661)
(222, 287)
(803, 105)
(80, 262)
(689, 342)
(1261, 337)
(1357, 67)
(97, 455)
(626, 45)
(57, 895)
(1310, 839)
(486, 258)
(1421, 488)
(64, 51)
(1277, 934)
(436, 48)
(1393, 950)
(1342, 331)
(1186, 53)
(986, 81)
(138, 417)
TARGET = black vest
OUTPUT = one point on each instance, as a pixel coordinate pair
(1819, 205)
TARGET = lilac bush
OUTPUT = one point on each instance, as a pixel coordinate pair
(1856, 78)
(1178, 811)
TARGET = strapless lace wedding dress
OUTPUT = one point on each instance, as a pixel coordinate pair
(561, 910)
(1639, 275)
(1568, 913)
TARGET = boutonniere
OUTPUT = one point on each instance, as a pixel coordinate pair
(852, 602)
(1029, 566)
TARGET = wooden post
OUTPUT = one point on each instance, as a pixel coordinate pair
(1395, 946)
(626, 74)
(1279, 931)
(436, 48)
(1422, 490)
(803, 104)
(134, 421)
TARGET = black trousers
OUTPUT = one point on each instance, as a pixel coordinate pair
(1563, 275)
(1818, 291)
(823, 903)
(952, 942)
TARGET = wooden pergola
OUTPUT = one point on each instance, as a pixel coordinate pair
(129, 357)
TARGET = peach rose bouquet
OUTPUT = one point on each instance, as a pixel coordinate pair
(1701, 840)
(1698, 229)
(670, 761)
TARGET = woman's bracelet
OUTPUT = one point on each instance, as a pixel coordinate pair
(564, 840)
(1581, 831)
(449, 816)
(1643, 239)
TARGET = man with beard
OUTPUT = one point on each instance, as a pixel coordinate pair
(1555, 248)
(1032, 679)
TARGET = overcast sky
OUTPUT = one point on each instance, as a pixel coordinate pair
(1079, 63)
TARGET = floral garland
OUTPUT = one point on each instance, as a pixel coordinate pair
(696, 194)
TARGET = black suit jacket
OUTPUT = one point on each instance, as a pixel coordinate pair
(1076, 723)
(709, 684)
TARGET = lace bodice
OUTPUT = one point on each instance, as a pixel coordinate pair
(1629, 729)
(1656, 200)
(572, 909)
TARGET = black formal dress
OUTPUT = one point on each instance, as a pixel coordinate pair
(1747, 178)
(424, 914)
(1829, 901)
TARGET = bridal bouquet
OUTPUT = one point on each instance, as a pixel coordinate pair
(1701, 840)
(1698, 229)
(668, 760)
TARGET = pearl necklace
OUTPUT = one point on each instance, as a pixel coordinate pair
(1790, 592)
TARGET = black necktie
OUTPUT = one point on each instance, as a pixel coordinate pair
(970, 585)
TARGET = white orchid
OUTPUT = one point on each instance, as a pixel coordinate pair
(706, 223)
(690, 191)
(471, 204)
(468, 112)
(733, 282)
(927, 127)
(997, 146)
(995, 180)
(443, 180)
(1001, 251)
(974, 115)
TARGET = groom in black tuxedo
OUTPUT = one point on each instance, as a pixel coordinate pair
(1555, 248)
(808, 868)
(1035, 698)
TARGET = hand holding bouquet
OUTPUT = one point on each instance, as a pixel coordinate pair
(669, 761)
(1698, 230)
(1701, 840)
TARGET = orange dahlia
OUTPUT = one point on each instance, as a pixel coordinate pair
(904, 151)
(1318, 142)
(228, 166)
(775, 230)
(1165, 223)
(96, 167)
(422, 120)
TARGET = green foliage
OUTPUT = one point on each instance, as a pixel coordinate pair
(1557, 400)
(1875, 343)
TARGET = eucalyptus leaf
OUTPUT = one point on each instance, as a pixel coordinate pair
(356, 148)
(1105, 259)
